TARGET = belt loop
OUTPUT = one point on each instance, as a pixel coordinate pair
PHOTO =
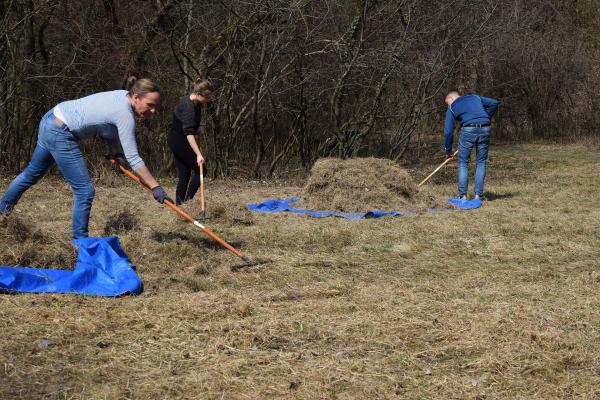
(476, 125)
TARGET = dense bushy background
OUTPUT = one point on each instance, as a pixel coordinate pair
(301, 79)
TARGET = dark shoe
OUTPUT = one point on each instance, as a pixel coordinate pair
(478, 197)
(463, 197)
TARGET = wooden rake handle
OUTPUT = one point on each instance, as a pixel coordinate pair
(437, 169)
(202, 200)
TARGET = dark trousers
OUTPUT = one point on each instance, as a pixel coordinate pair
(188, 172)
(189, 180)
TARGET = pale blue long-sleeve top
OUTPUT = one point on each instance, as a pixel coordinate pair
(105, 114)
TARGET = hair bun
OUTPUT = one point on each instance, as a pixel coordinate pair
(130, 82)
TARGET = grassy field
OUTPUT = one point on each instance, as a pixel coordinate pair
(497, 303)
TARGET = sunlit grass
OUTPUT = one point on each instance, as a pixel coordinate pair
(500, 302)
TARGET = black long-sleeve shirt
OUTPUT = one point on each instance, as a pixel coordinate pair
(186, 118)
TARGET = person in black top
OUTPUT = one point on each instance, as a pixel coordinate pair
(181, 140)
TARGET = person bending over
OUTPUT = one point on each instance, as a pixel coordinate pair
(110, 115)
(474, 113)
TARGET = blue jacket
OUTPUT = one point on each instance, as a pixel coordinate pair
(467, 109)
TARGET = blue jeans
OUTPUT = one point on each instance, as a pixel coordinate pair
(480, 139)
(56, 143)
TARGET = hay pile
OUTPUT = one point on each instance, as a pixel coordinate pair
(363, 184)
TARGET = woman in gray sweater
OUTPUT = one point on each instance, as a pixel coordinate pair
(110, 115)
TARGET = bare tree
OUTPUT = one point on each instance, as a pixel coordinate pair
(302, 80)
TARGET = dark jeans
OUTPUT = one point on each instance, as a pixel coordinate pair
(478, 138)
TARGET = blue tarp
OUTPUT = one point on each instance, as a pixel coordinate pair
(102, 269)
(465, 204)
(277, 206)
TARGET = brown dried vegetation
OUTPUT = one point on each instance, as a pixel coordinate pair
(496, 303)
(364, 184)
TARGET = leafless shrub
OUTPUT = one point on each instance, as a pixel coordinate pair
(302, 80)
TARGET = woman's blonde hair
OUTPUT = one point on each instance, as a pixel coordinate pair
(141, 87)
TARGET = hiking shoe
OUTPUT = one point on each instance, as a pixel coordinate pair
(478, 197)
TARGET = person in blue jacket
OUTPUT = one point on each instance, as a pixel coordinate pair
(474, 113)
(110, 115)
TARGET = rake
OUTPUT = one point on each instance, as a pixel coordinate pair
(248, 262)
(202, 200)
(437, 169)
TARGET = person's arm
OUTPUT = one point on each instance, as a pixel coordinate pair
(449, 131)
(194, 145)
(114, 150)
(186, 113)
(126, 129)
(157, 191)
(146, 177)
(113, 144)
(491, 105)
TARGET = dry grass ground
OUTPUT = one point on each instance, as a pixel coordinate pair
(496, 303)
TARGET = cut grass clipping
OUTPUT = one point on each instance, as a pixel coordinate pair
(364, 184)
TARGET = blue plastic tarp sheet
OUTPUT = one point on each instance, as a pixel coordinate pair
(277, 206)
(465, 204)
(102, 269)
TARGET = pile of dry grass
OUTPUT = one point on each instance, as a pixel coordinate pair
(363, 184)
